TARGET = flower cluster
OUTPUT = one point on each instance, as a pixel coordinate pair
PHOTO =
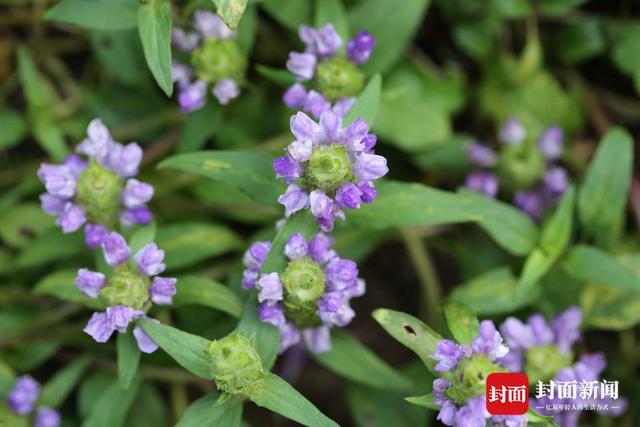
(22, 400)
(528, 170)
(215, 60)
(329, 168)
(98, 193)
(337, 78)
(460, 388)
(133, 286)
(310, 296)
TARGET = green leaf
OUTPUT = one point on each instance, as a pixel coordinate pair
(154, 26)
(190, 351)
(121, 57)
(205, 412)
(350, 359)
(290, 13)
(411, 332)
(265, 335)
(56, 390)
(142, 236)
(553, 242)
(231, 11)
(108, 15)
(113, 405)
(128, 359)
(199, 126)
(462, 322)
(393, 24)
(332, 11)
(51, 246)
(301, 222)
(626, 51)
(278, 396)
(19, 224)
(149, 409)
(366, 106)
(579, 41)
(535, 419)
(425, 401)
(14, 128)
(189, 243)
(60, 284)
(40, 98)
(280, 77)
(593, 265)
(204, 291)
(249, 171)
(605, 307)
(603, 195)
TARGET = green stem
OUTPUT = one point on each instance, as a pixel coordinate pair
(421, 259)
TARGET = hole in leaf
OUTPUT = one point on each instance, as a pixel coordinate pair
(408, 329)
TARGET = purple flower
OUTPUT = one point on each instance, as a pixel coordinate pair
(210, 25)
(295, 96)
(115, 248)
(302, 65)
(271, 312)
(447, 414)
(315, 104)
(360, 47)
(296, 247)
(369, 167)
(304, 128)
(256, 254)
(24, 395)
(294, 199)
(136, 193)
(517, 334)
(550, 143)
(162, 290)
(289, 336)
(149, 260)
(99, 327)
(473, 413)
(322, 42)
(59, 180)
(480, 155)
(181, 73)
(287, 169)
(318, 340)
(183, 40)
(138, 215)
(566, 327)
(90, 282)
(52, 205)
(556, 180)
(269, 288)
(120, 316)
(145, 343)
(343, 106)
(349, 196)
(225, 90)
(531, 203)
(489, 341)
(512, 132)
(334, 309)
(320, 248)
(341, 274)
(94, 234)
(448, 354)
(75, 164)
(47, 417)
(71, 218)
(369, 192)
(192, 96)
(482, 182)
(541, 330)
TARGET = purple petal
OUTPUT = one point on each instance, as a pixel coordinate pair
(489, 341)
(162, 290)
(71, 218)
(512, 132)
(480, 155)
(125, 160)
(225, 90)
(340, 274)
(24, 395)
(192, 96)
(295, 96)
(320, 248)
(360, 47)
(296, 247)
(531, 203)
(183, 40)
(556, 180)
(354, 135)
(47, 417)
(90, 282)
(550, 143)
(58, 180)
(256, 255)
(115, 248)
(289, 336)
(566, 327)
(302, 65)
(138, 215)
(541, 330)
(75, 164)
(369, 192)
(99, 327)
(315, 104)
(349, 196)
(482, 182)
(343, 106)
(136, 193)
(318, 340)
(517, 334)
(210, 24)
(52, 205)
(269, 288)
(180, 73)
(447, 414)
(94, 234)
(300, 151)
(287, 169)
(149, 260)
(271, 312)
(120, 316)
(294, 199)
(331, 125)
(145, 343)
(304, 128)
(369, 167)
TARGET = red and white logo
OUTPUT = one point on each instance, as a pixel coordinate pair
(507, 393)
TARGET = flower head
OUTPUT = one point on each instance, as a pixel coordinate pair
(328, 168)
(311, 295)
(216, 63)
(100, 193)
(24, 395)
(129, 291)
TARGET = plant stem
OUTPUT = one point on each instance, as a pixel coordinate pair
(426, 271)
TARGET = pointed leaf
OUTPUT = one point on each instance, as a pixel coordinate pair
(593, 265)
(204, 291)
(113, 405)
(231, 11)
(265, 335)
(462, 322)
(425, 401)
(128, 359)
(366, 106)
(108, 15)
(56, 390)
(205, 412)
(154, 26)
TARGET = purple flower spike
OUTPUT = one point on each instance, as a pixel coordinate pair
(99, 327)
(512, 132)
(489, 341)
(315, 104)
(480, 155)
(294, 199)
(226, 90)
(320, 248)
(71, 218)
(136, 193)
(295, 96)
(296, 247)
(94, 234)
(360, 47)
(149, 260)
(269, 288)
(369, 167)
(90, 282)
(24, 394)
(349, 196)
(120, 316)
(550, 143)
(318, 340)
(448, 354)
(566, 327)
(482, 182)
(162, 290)
(289, 336)
(145, 343)
(210, 25)
(115, 248)
(47, 417)
(271, 312)
(192, 96)
(302, 65)
(287, 169)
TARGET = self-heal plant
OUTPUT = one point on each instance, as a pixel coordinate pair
(310, 296)
(129, 292)
(22, 401)
(215, 62)
(329, 168)
(99, 193)
(528, 171)
(333, 77)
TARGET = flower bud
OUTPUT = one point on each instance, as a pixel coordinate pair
(237, 367)
(338, 78)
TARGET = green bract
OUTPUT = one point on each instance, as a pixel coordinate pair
(329, 167)
(339, 78)
(218, 59)
(237, 367)
(99, 192)
(127, 287)
(520, 165)
(303, 282)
